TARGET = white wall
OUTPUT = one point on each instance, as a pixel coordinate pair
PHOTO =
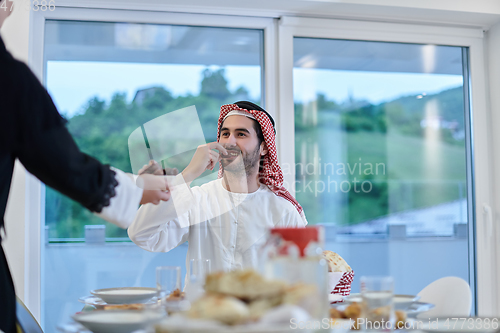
(477, 13)
(493, 70)
(15, 33)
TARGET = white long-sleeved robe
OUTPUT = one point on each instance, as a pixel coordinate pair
(226, 228)
(123, 206)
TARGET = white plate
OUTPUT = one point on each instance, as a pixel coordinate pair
(99, 303)
(401, 302)
(460, 325)
(92, 300)
(411, 312)
(418, 307)
(203, 328)
(122, 321)
(125, 295)
(332, 298)
(180, 324)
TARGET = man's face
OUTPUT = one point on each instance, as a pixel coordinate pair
(238, 136)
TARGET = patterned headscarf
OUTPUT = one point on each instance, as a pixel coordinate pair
(270, 174)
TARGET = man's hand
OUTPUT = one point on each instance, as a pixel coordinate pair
(154, 196)
(203, 159)
(154, 168)
(154, 184)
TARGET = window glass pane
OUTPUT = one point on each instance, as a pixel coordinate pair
(380, 155)
(108, 79)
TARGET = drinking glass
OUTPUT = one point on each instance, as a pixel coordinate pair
(168, 278)
(377, 305)
(198, 270)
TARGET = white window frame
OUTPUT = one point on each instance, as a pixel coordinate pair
(484, 273)
(34, 202)
(278, 62)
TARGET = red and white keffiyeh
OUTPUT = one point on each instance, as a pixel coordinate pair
(271, 173)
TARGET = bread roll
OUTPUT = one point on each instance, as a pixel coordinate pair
(226, 309)
(246, 284)
(260, 306)
(335, 262)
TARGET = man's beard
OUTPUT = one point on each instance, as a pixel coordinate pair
(243, 163)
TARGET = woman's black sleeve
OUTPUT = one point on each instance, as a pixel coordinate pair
(48, 151)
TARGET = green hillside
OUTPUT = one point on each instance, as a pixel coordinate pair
(419, 165)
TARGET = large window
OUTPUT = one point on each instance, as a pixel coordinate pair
(381, 155)
(108, 79)
(374, 138)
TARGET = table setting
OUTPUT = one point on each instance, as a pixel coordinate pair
(298, 286)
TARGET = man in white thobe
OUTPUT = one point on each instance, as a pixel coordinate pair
(224, 220)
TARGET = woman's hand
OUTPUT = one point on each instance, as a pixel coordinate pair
(153, 183)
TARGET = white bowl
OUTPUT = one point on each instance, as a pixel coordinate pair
(401, 302)
(125, 295)
(121, 321)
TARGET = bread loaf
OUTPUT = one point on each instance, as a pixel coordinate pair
(246, 285)
(228, 310)
(335, 262)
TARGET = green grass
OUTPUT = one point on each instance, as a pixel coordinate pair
(419, 173)
(406, 157)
